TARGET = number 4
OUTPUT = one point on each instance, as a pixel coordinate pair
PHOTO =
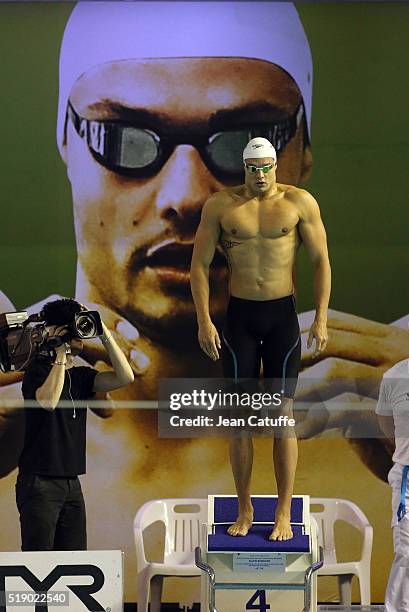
(262, 604)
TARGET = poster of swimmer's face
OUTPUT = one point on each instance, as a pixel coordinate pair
(156, 123)
(83, 215)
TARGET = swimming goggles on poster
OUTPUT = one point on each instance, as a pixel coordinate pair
(132, 149)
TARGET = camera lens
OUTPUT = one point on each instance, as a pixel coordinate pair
(85, 326)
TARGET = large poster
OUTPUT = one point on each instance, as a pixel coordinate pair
(83, 219)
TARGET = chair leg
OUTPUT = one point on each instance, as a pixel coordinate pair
(345, 589)
(143, 593)
(156, 593)
(365, 588)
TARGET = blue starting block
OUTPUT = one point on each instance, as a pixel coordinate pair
(253, 572)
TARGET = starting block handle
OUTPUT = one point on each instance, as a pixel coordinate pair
(307, 580)
(210, 572)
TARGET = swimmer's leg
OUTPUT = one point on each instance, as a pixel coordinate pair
(285, 457)
(241, 461)
(241, 359)
(281, 352)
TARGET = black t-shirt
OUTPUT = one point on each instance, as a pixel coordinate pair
(54, 443)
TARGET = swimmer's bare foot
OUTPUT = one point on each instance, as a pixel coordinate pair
(282, 528)
(242, 525)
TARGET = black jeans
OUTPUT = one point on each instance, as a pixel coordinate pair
(52, 513)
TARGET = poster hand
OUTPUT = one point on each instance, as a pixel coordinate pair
(357, 354)
(125, 335)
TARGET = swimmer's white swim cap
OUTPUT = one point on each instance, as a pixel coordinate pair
(259, 147)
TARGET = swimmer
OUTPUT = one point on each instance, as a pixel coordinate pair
(260, 226)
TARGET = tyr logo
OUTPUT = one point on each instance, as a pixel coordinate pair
(82, 591)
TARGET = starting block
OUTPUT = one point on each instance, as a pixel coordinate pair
(251, 572)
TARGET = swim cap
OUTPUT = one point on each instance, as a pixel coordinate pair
(100, 32)
(259, 147)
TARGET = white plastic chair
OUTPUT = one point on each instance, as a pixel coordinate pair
(182, 534)
(344, 510)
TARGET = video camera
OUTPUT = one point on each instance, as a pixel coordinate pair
(23, 336)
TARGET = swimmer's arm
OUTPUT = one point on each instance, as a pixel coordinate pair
(206, 240)
(314, 237)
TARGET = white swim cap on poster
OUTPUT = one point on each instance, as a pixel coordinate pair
(259, 147)
(100, 32)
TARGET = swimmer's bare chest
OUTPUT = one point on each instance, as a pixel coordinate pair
(260, 239)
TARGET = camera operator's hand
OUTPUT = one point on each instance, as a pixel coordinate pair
(124, 334)
(61, 350)
(61, 354)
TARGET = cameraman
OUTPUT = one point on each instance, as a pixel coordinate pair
(48, 492)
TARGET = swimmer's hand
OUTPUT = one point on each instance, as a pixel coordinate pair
(319, 333)
(209, 340)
